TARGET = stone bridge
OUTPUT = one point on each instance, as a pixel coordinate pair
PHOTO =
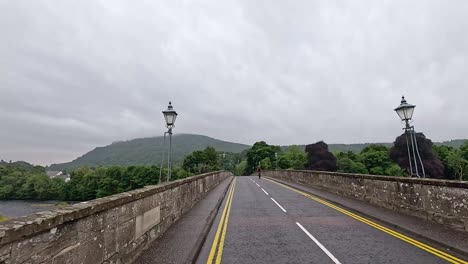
(282, 217)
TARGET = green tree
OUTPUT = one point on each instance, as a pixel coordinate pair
(376, 159)
(294, 157)
(201, 161)
(464, 150)
(241, 167)
(258, 152)
(266, 163)
(57, 189)
(394, 170)
(442, 152)
(347, 165)
(458, 163)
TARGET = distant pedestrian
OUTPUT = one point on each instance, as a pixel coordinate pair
(259, 172)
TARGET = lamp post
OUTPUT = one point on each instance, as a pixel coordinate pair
(276, 160)
(170, 116)
(224, 163)
(405, 112)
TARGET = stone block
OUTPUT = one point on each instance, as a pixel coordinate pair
(42, 247)
(82, 253)
(146, 221)
(125, 233)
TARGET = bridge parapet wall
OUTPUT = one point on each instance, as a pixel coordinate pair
(441, 201)
(113, 229)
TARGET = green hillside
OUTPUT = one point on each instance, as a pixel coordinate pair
(147, 151)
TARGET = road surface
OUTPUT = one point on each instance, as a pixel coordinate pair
(262, 221)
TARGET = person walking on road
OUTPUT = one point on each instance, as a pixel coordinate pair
(259, 172)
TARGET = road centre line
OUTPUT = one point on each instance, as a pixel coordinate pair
(257, 184)
(318, 244)
(278, 205)
(222, 225)
(223, 237)
(265, 191)
(416, 243)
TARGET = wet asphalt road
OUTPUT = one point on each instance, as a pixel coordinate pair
(260, 231)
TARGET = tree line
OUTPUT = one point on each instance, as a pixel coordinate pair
(85, 183)
(20, 180)
(442, 162)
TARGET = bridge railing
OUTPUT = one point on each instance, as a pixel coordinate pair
(441, 201)
(113, 229)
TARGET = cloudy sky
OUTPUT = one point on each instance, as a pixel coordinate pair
(79, 74)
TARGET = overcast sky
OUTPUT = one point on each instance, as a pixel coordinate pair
(75, 75)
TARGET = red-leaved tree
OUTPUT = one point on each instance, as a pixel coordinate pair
(319, 158)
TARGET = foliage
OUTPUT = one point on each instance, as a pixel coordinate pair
(293, 158)
(266, 164)
(202, 161)
(376, 159)
(258, 154)
(432, 165)
(394, 170)
(458, 163)
(19, 182)
(373, 159)
(442, 152)
(240, 168)
(348, 165)
(319, 158)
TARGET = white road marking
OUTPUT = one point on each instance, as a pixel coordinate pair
(278, 205)
(257, 184)
(265, 191)
(318, 244)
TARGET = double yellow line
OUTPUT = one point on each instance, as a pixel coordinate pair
(221, 231)
(434, 251)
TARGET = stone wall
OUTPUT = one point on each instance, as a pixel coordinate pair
(441, 201)
(113, 229)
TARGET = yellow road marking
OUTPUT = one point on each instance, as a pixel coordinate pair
(434, 251)
(221, 243)
(221, 224)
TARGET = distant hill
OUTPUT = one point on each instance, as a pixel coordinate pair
(21, 166)
(456, 143)
(147, 151)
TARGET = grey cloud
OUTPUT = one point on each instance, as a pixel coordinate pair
(81, 74)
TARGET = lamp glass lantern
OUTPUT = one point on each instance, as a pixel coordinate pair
(170, 115)
(405, 110)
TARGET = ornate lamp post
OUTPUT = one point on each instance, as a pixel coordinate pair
(405, 112)
(170, 116)
(276, 160)
(224, 163)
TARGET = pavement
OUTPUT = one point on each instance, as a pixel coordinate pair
(183, 240)
(263, 221)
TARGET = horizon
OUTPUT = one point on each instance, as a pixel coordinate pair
(179, 134)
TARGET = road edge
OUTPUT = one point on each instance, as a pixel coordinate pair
(375, 218)
(195, 252)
